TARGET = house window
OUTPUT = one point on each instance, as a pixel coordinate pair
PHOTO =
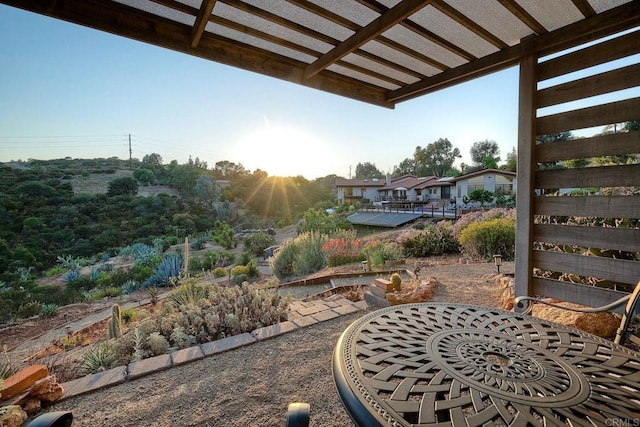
(504, 188)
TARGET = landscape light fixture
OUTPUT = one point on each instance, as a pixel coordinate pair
(498, 261)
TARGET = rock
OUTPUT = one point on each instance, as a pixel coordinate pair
(602, 324)
(22, 380)
(12, 416)
(31, 405)
(47, 389)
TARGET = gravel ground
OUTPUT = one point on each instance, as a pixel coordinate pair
(252, 386)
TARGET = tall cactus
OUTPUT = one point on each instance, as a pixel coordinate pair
(115, 324)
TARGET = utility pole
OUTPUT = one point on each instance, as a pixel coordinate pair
(130, 167)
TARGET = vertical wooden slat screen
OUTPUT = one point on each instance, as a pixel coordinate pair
(581, 242)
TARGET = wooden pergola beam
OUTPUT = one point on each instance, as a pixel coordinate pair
(524, 16)
(201, 21)
(584, 7)
(387, 20)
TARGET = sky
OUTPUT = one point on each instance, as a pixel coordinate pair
(67, 90)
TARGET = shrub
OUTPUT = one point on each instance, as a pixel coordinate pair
(342, 250)
(432, 241)
(129, 314)
(240, 279)
(122, 186)
(238, 270)
(55, 270)
(481, 240)
(255, 244)
(245, 258)
(380, 252)
(198, 243)
(281, 263)
(480, 216)
(302, 255)
(157, 344)
(30, 309)
(49, 310)
(318, 221)
(219, 272)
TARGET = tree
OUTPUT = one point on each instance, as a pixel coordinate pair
(553, 138)
(406, 167)
(206, 191)
(632, 126)
(123, 186)
(479, 195)
(511, 164)
(152, 161)
(436, 158)
(577, 163)
(367, 170)
(490, 162)
(485, 153)
(144, 175)
(228, 170)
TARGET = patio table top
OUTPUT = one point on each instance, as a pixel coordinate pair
(448, 364)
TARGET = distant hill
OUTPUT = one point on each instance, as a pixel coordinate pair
(98, 183)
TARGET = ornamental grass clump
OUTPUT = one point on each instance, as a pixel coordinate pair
(378, 253)
(302, 255)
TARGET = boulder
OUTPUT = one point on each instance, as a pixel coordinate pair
(12, 416)
(47, 389)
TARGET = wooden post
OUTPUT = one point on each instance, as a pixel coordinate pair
(526, 178)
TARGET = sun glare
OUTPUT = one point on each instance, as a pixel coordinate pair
(284, 151)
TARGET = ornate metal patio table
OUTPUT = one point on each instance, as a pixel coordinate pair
(460, 365)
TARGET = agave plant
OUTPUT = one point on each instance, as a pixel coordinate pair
(71, 275)
(170, 267)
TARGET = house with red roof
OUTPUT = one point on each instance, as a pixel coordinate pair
(409, 188)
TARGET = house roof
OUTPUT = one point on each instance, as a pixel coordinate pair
(408, 182)
(377, 51)
(369, 182)
(483, 172)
